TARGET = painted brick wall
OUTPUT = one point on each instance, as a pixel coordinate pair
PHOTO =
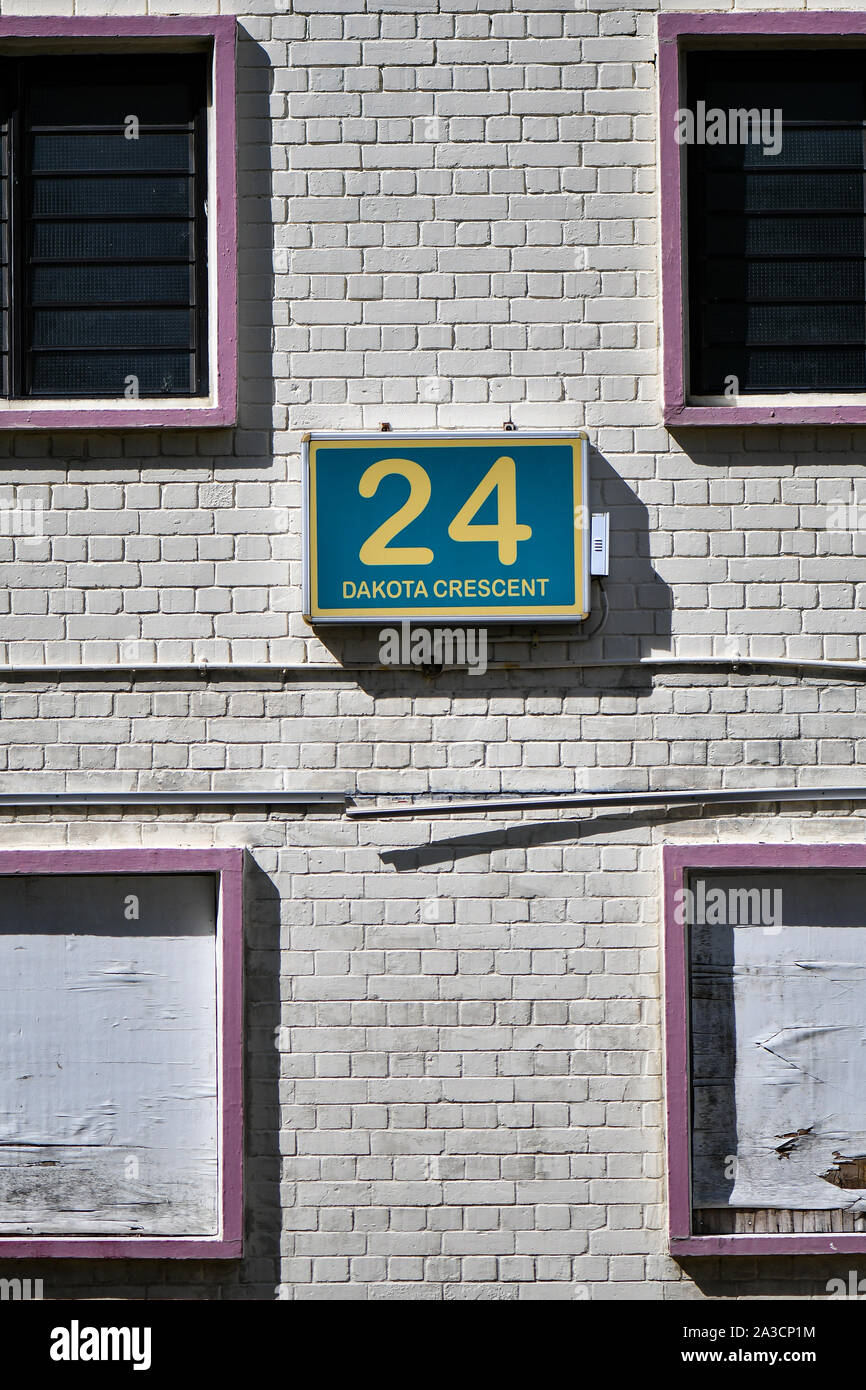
(448, 218)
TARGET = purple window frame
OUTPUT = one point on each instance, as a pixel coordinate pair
(677, 33)
(677, 861)
(227, 865)
(220, 33)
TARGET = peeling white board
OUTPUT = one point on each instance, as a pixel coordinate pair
(779, 1047)
(108, 1069)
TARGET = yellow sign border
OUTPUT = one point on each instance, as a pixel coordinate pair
(576, 441)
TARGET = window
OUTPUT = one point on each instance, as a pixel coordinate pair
(120, 1081)
(117, 223)
(765, 1015)
(776, 229)
(103, 224)
(764, 218)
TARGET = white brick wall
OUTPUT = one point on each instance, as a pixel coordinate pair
(448, 218)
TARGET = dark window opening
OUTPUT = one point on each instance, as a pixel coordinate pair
(777, 242)
(103, 264)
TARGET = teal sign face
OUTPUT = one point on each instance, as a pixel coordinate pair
(466, 527)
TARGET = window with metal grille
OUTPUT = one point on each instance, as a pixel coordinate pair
(103, 276)
(776, 242)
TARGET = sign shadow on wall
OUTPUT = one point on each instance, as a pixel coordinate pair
(630, 620)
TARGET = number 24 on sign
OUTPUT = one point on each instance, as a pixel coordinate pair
(505, 534)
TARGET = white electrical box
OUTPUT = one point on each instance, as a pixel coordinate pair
(599, 544)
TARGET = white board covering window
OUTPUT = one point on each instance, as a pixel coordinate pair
(119, 1066)
(778, 1040)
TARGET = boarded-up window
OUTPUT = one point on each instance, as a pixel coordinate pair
(109, 1116)
(777, 970)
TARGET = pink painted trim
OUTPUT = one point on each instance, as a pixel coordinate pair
(223, 410)
(232, 1052)
(677, 1057)
(676, 861)
(228, 864)
(671, 227)
(770, 1245)
(677, 33)
(766, 415)
(770, 24)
